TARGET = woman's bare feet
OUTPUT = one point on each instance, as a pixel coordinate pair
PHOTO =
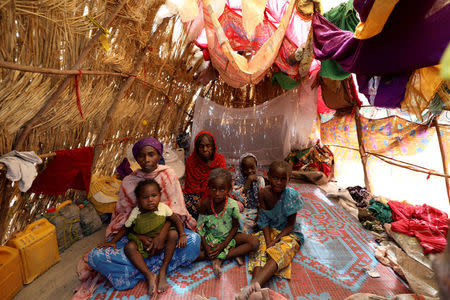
(239, 261)
(163, 285)
(216, 265)
(151, 281)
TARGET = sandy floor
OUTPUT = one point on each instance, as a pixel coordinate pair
(60, 280)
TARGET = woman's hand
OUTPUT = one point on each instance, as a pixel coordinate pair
(182, 241)
(106, 245)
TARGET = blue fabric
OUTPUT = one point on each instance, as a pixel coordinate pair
(123, 275)
(290, 203)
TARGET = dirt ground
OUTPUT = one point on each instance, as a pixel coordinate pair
(59, 281)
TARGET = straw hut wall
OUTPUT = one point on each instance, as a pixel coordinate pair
(143, 85)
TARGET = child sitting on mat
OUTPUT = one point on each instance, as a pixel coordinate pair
(246, 190)
(218, 224)
(144, 223)
(280, 236)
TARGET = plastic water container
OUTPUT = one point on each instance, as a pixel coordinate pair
(37, 247)
(11, 281)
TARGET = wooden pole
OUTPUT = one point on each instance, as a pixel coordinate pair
(443, 156)
(362, 150)
(112, 109)
(27, 127)
(401, 164)
(18, 67)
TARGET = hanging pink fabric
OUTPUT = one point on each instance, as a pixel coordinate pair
(281, 17)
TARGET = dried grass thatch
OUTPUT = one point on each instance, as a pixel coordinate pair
(53, 34)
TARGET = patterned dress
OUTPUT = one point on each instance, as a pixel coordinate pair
(277, 219)
(216, 229)
(249, 198)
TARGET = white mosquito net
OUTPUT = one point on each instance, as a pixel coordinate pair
(269, 130)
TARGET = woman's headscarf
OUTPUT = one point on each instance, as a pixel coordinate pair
(149, 141)
(240, 180)
(197, 171)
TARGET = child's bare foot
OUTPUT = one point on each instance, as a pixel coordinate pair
(248, 290)
(151, 281)
(163, 285)
(239, 261)
(216, 265)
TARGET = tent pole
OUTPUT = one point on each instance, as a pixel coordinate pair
(27, 127)
(112, 109)
(443, 156)
(362, 150)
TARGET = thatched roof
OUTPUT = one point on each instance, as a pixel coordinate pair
(38, 111)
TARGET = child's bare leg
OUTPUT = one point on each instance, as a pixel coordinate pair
(256, 270)
(216, 265)
(245, 243)
(171, 243)
(202, 255)
(266, 273)
(136, 258)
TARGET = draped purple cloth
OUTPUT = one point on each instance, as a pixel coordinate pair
(363, 8)
(414, 36)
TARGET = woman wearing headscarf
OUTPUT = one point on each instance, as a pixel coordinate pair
(113, 263)
(199, 164)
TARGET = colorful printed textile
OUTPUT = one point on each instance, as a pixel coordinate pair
(230, 20)
(70, 169)
(197, 171)
(428, 224)
(328, 266)
(216, 229)
(234, 68)
(123, 275)
(316, 158)
(282, 253)
(387, 136)
(248, 219)
(192, 202)
(290, 203)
